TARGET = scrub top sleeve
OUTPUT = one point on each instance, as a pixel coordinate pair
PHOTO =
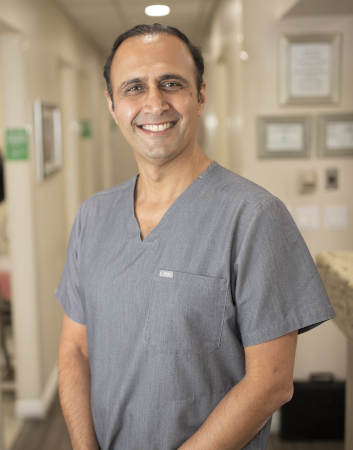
(68, 292)
(278, 288)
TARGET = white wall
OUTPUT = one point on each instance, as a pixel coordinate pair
(323, 349)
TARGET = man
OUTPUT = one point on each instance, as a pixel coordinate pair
(184, 287)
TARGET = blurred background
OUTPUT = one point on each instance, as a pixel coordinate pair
(279, 111)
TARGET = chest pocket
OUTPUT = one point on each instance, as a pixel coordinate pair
(186, 313)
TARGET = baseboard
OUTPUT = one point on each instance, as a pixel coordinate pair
(38, 408)
(276, 422)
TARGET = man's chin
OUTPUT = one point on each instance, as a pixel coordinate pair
(159, 154)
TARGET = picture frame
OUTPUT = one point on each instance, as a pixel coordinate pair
(335, 135)
(309, 68)
(48, 139)
(284, 136)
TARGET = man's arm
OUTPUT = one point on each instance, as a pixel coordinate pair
(268, 384)
(75, 385)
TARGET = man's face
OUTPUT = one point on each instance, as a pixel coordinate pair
(155, 96)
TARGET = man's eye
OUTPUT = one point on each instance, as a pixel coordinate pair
(172, 84)
(134, 88)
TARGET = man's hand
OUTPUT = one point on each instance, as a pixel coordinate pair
(267, 385)
(75, 385)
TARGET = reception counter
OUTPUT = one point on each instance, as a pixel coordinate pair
(336, 270)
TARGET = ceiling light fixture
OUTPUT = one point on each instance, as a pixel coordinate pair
(157, 10)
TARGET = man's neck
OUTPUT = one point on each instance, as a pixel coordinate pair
(163, 183)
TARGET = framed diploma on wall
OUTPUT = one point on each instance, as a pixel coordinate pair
(284, 137)
(309, 68)
(47, 125)
(335, 135)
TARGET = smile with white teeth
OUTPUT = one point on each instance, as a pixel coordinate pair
(161, 127)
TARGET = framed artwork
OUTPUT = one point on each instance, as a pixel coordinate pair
(309, 69)
(47, 124)
(284, 137)
(335, 135)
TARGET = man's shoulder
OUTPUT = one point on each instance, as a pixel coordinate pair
(109, 196)
(235, 186)
(101, 204)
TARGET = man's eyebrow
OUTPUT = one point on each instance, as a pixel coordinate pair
(175, 76)
(132, 81)
(167, 76)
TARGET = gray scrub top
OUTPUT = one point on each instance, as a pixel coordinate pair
(168, 317)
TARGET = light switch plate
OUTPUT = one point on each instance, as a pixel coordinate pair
(331, 178)
(336, 217)
(307, 217)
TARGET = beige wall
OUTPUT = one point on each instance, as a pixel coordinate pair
(124, 164)
(262, 32)
(224, 87)
(323, 349)
(51, 41)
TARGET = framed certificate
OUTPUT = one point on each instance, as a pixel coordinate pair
(309, 68)
(284, 137)
(335, 135)
(47, 123)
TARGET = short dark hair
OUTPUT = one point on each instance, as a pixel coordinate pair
(156, 29)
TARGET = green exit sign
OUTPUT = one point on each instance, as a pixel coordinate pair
(16, 140)
(86, 129)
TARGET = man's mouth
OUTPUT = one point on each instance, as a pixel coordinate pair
(159, 127)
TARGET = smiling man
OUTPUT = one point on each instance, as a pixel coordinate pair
(184, 287)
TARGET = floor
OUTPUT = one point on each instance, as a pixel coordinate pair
(48, 434)
(11, 425)
(276, 444)
(51, 434)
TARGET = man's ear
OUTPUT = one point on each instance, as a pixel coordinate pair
(202, 98)
(110, 105)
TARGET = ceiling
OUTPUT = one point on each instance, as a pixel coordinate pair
(104, 20)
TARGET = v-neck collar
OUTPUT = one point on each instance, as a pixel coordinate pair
(133, 228)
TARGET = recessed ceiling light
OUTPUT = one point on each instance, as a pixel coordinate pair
(157, 10)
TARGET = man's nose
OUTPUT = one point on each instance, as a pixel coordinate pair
(154, 102)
